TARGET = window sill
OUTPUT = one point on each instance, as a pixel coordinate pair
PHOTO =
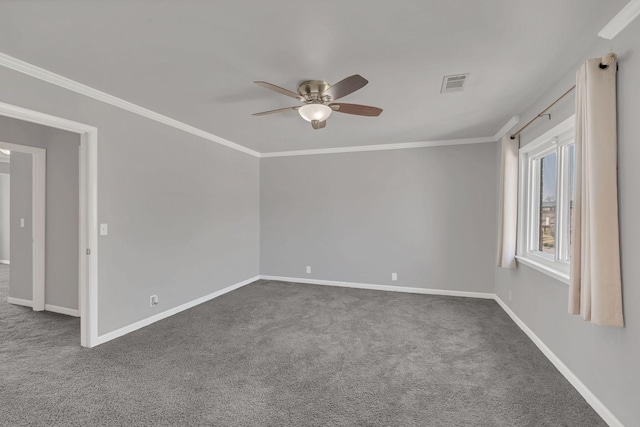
(558, 275)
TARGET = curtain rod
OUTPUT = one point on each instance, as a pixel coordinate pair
(607, 60)
(513, 136)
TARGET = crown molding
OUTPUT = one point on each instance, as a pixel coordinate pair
(506, 128)
(398, 146)
(378, 147)
(621, 20)
(64, 82)
(23, 67)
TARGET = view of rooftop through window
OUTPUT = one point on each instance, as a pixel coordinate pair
(547, 226)
(572, 156)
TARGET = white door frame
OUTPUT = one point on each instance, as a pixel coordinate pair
(38, 217)
(88, 227)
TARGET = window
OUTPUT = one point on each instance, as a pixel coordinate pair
(546, 200)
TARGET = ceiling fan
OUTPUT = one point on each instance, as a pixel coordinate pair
(318, 97)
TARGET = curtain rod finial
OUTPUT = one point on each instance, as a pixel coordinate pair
(608, 59)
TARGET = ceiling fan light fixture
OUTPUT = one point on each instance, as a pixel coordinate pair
(319, 112)
(318, 97)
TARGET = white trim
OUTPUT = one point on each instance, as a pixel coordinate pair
(621, 20)
(5, 261)
(88, 239)
(558, 275)
(506, 128)
(15, 112)
(38, 217)
(47, 307)
(591, 398)
(557, 130)
(19, 301)
(398, 146)
(62, 310)
(378, 147)
(88, 212)
(38, 203)
(64, 82)
(170, 312)
(389, 288)
(553, 141)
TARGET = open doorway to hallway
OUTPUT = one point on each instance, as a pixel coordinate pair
(5, 178)
(43, 226)
(5, 254)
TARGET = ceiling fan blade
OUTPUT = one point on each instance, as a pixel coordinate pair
(279, 110)
(317, 124)
(358, 110)
(278, 89)
(346, 86)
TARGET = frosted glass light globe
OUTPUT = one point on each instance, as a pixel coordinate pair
(319, 112)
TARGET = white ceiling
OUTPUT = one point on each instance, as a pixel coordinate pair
(195, 61)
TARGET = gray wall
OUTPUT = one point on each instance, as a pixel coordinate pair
(61, 268)
(183, 212)
(427, 214)
(605, 359)
(21, 274)
(62, 218)
(5, 183)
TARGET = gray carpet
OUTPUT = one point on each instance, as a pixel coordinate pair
(282, 354)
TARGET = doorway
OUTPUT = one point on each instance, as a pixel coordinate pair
(88, 222)
(5, 183)
(28, 243)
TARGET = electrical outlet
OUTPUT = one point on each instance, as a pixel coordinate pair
(509, 295)
(153, 300)
(394, 276)
(308, 269)
(22, 222)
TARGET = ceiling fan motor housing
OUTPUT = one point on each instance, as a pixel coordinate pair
(312, 90)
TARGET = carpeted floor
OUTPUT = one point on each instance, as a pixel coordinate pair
(282, 354)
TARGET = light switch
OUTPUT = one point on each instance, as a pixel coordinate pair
(104, 229)
(22, 222)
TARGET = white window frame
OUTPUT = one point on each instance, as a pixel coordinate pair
(557, 140)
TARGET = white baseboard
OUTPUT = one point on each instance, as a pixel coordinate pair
(383, 287)
(101, 339)
(18, 301)
(4, 261)
(47, 307)
(591, 399)
(62, 310)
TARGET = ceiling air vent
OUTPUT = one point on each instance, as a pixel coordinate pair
(454, 83)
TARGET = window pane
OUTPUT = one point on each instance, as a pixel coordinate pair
(547, 226)
(572, 155)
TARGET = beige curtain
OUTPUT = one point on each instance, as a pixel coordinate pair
(595, 290)
(508, 202)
